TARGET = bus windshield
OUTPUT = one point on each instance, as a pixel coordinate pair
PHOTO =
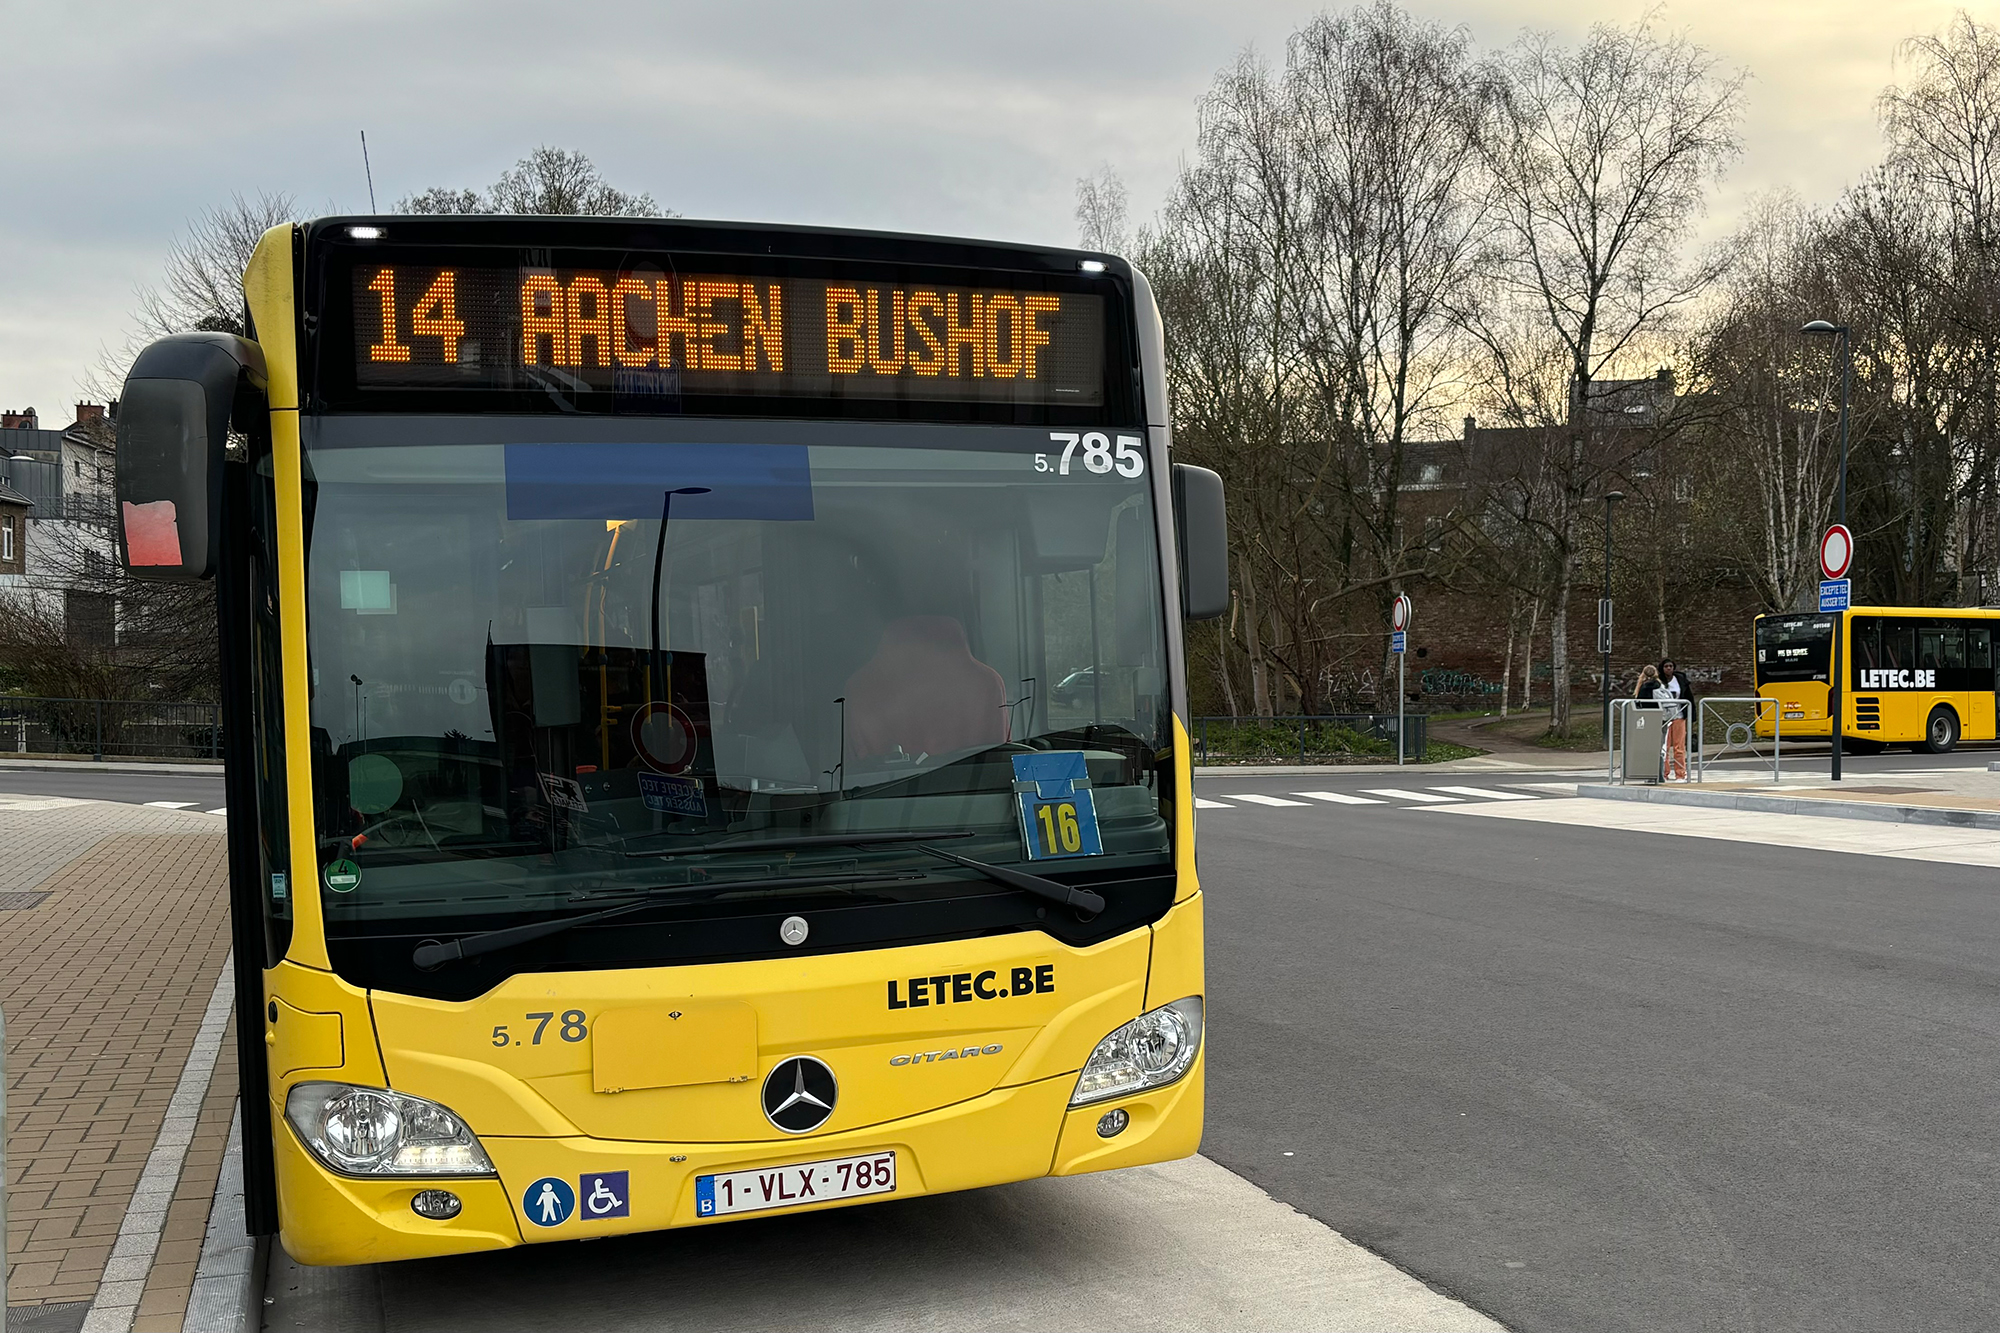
(1795, 647)
(553, 666)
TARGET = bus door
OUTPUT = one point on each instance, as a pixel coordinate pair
(1977, 717)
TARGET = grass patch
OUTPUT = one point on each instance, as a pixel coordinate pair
(1438, 752)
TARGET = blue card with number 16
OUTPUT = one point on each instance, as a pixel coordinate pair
(1058, 812)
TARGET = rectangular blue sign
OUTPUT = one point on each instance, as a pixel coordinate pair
(1058, 812)
(1834, 594)
(1398, 640)
(629, 481)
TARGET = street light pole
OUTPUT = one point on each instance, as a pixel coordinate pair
(1836, 678)
(1604, 616)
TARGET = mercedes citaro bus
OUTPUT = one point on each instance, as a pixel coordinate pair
(1922, 676)
(651, 798)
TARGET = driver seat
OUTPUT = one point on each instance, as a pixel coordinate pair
(925, 692)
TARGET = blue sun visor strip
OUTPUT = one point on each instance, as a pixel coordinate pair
(772, 482)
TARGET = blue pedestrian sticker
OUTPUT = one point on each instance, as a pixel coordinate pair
(605, 1194)
(549, 1202)
(1058, 812)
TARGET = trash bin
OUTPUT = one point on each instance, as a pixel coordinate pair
(1644, 756)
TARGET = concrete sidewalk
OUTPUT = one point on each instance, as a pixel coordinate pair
(121, 1070)
(1962, 797)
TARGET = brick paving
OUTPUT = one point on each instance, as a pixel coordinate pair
(105, 981)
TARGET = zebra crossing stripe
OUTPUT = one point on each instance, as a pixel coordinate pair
(1487, 793)
(1203, 803)
(1258, 798)
(1338, 798)
(1398, 794)
(172, 805)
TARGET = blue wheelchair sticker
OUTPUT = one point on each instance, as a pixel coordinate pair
(1058, 812)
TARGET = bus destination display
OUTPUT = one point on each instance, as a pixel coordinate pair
(650, 332)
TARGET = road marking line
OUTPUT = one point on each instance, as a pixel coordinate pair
(1487, 793)
(172, 805)
(124, 1280)
(1338, 797)
(1398, 794)
(220, 810)
(1203, 803)
(1257, 798)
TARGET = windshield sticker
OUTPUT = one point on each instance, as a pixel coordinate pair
(277, 886)
(1058, 812)
(342, 876)
(665, 737)
(673, 796)
(769, 482)
(563, 793)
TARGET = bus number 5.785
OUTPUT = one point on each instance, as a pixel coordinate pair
(1098, 454)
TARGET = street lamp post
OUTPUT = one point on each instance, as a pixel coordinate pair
(1836, 695)
(1604, 614)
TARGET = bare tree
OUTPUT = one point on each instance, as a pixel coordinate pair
(546, 181)
(1101, 212)
(202, 287)
(1603, 163)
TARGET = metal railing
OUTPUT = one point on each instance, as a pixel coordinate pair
(1300, 738)
(128, 728)
(1737, 734)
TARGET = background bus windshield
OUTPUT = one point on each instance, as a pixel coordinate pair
(1794, 648)
(851, 636)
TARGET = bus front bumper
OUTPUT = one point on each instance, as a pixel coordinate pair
(1009, 1134)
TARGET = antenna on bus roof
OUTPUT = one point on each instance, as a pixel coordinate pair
(369, 170)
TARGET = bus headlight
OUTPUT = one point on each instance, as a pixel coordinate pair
(1153, 1049)
(375, 1132)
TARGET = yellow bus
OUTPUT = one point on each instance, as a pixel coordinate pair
(650, 801)
(1921, 676)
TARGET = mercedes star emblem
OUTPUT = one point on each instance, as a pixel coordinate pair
(799, 1094)
(794, 930)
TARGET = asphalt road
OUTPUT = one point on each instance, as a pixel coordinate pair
(1586, 1079)
(1581, 1079)
(195, 791)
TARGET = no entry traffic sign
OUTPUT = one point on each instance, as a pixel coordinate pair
(1836, 551)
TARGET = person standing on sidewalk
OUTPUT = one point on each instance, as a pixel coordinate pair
(1674, 686)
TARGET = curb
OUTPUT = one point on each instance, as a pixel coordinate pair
(107, 766)
(1793, 805)
(229, 1281)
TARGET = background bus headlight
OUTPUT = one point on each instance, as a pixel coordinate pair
(1153, 1049)
(375, 1132)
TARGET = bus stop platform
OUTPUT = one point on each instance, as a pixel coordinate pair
(1957, 797)
(120, 1060)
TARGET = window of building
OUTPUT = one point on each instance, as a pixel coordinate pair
(7, 539)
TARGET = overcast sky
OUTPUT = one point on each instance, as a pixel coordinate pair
(123, 119)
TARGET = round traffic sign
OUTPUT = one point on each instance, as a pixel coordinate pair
(1836, 551)
(1399, 613)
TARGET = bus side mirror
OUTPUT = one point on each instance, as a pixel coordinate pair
(1202, 525)
(173, 430)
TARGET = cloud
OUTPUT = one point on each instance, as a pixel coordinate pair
(968, 119)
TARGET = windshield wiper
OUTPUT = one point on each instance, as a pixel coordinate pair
(428, 956)
(802, 841)
(1055, 891)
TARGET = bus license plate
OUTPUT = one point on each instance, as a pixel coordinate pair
(784, 1186)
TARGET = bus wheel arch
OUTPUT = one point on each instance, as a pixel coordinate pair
(1941, 731)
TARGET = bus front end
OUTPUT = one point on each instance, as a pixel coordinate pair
(712, 704)
(1794, 662)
